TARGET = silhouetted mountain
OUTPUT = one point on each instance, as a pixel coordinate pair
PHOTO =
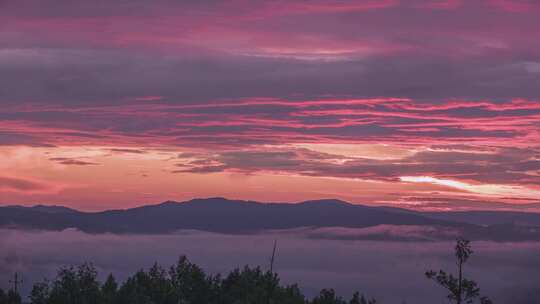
(236, 216)
(489, 217)
(48, 208)
(214, 214)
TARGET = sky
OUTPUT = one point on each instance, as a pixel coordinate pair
(429, 105)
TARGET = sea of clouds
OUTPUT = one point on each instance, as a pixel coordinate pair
(390, 270)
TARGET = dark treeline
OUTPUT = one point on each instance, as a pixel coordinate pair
(187, 283)
(11, 297)
(183, 282)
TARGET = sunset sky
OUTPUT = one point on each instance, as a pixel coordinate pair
(430, 105)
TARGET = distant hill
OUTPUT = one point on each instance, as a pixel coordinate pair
(212, 214)
(489, 217)
(47, 208)
(235, 216)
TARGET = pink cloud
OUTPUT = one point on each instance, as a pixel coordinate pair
(282, 121)
(24, 185)
(517, 6)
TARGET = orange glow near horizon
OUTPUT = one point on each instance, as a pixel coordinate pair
(96, 178)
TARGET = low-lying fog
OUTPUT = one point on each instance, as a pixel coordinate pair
(391, 271)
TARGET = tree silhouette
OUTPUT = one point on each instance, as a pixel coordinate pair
(13, 297)
(360, 299)
(190, 284)
(461, 290)
(71, 285)
(109, 290)
(3, 297)
(183, 283)
(249, 285)
(328, 296)
(40, 293)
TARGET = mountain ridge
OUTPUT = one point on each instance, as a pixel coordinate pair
(215, 214)
(221, 215)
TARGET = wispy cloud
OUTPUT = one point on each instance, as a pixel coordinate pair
(25, 185)
(71, 161)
